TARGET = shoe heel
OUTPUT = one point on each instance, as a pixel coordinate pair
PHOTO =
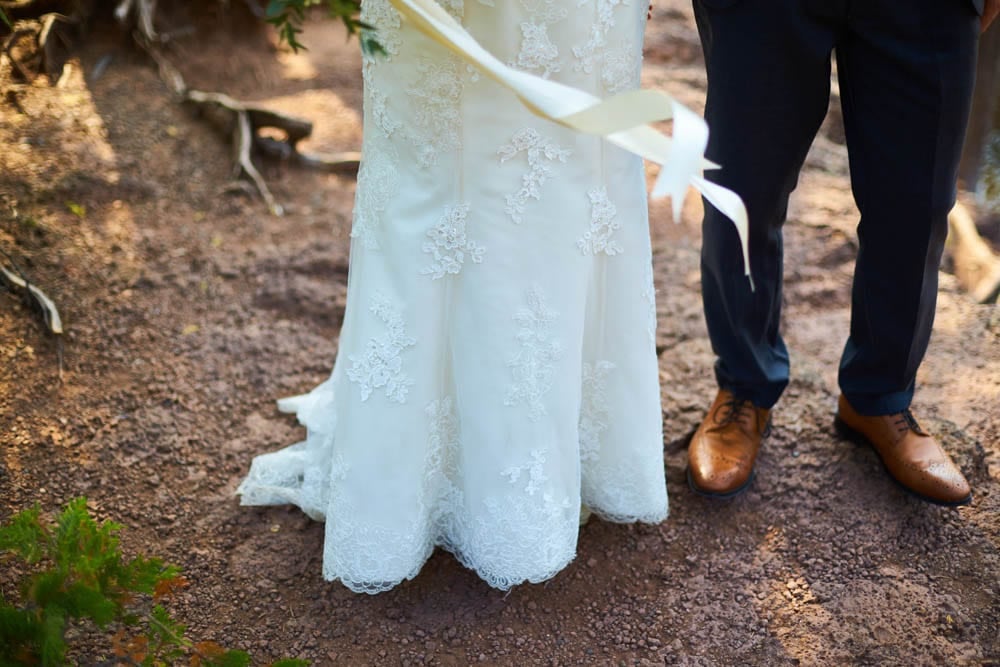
(848, 433)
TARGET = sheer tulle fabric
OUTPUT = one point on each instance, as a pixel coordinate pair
(497, 364)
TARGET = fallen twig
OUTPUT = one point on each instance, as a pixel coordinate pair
(18, 283)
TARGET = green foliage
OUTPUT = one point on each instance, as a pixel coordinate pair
(73, 572)
(287, 16)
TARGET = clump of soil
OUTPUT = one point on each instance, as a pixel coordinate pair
(189, 310)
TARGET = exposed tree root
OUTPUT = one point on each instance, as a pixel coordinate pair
(39, 45)
(34, 47)
(16, 282)
(977, 267)
(242, 121)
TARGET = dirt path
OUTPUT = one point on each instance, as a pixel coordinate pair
(189, 311)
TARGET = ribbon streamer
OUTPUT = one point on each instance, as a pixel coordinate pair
(622, 119)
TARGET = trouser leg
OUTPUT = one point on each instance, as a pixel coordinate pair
(768, 65)
(906, 78)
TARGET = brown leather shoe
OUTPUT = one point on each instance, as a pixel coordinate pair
(723, 450)
(914, 459)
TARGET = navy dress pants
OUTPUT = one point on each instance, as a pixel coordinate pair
(906, 73)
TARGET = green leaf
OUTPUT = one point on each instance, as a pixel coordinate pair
(291, 662)
(46, 588)
(86, 602)
(76, 209)
(3, 17)
(275, 9)
(165, 630)
(229, 659)
(25, 536)
(53, 644)
(288, 15)
(20, 632)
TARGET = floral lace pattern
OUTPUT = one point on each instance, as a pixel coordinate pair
(454, 416)
(649, 294)
(449, 245)
(588, 52)
(545, 11)
(533, 470)
(436, 118)
(594, 412)
(386, 21)
(442, 450)
(602, 226)
(541, 154)
(538, 53)
(378, 182)
(533, 367)
(620, 70)
(454, 7)
(442, 430)
(381, 364)
(380, 113)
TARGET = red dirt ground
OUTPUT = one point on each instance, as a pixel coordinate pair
(190, 310)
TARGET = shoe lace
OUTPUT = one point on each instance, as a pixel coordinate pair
(905, 421)
(736, 410)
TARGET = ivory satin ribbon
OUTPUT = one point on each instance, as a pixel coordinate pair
(622, 119)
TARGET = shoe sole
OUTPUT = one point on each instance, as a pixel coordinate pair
(859, 438)
(719, 496)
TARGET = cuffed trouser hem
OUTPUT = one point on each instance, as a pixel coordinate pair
(762, 397)
(870, 405)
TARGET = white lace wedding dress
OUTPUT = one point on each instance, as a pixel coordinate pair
(497, 364)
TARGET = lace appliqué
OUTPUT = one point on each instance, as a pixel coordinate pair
(380, 15)
(545, 11)
(442, 445)
(587, 53)
(538, 54)
(378, 181)
(534, 365)
(541, 153)
(381, 365)
(443, 429)
(380, 112)
(449, 244)
(534, 470)
(621, 69)
(649, 294)
(436, 117)
(454, 7)
(594, 411)
(602, 226)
